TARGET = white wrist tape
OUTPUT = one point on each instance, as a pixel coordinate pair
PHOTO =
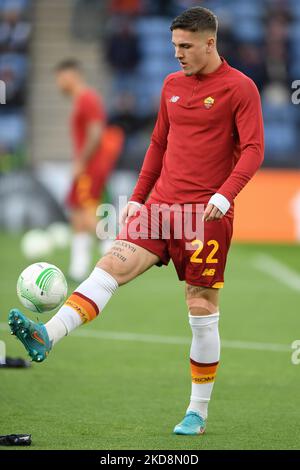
(135, 203)
(220, 202)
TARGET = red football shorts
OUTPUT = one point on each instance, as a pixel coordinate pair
(199, 256)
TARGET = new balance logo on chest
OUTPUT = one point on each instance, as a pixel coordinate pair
(207, 103)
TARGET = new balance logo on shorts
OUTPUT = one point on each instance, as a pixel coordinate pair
(208, 272)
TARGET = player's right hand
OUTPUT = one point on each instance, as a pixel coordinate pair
(128, 211)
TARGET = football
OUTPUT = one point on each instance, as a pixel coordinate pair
(42, 287)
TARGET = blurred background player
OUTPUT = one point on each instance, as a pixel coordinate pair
(93, 162)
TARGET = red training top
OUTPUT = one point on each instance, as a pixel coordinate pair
(208, 138)
(88, 108)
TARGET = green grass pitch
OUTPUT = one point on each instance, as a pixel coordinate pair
(120, 384)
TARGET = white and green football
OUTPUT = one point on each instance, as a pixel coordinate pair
(42, 287)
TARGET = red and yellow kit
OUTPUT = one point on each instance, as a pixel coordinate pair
(87, 189)
(208, 139)
(200, 260)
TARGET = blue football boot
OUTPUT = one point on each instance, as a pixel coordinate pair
(191, 425)
(33, 335)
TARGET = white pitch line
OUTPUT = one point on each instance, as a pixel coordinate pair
(159, 339)
(277, 270)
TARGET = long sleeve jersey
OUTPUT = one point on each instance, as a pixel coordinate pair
(208, 138)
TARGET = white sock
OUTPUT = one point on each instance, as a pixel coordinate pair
(205, 351)
(81, 252)
(83, 305)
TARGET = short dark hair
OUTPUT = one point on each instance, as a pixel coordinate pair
(196, 19)
(68, 64)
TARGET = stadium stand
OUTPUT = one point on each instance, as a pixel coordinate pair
(15, 32)
(259, 37)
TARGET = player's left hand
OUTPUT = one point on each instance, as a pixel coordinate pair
(211, 213)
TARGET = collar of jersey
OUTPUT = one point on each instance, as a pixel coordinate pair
(222, 69)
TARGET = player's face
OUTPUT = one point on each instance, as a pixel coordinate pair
(65, 81)
(192, 49)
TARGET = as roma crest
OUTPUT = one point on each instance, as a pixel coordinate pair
(208, 102)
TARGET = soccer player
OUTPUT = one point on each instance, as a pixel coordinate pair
(92, 162)
(206, 145)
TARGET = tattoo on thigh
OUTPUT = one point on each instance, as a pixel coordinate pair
(119, 250)
(119, 256)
